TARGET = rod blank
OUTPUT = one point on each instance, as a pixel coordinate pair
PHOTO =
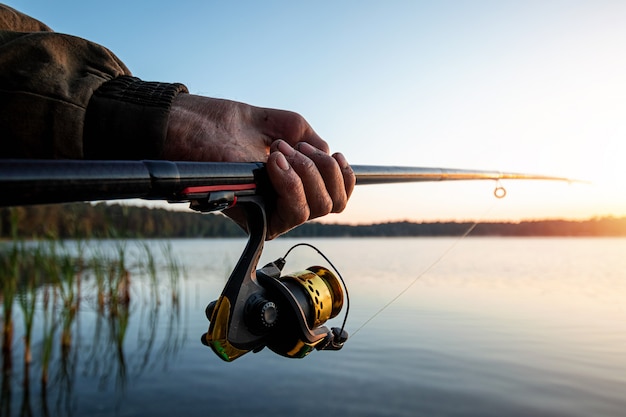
(27, 181)
(373, 174)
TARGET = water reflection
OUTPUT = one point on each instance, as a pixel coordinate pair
(48, 290)
(501, 327)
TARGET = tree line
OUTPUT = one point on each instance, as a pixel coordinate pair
(607, 226)
(102, 220)
(83, 220)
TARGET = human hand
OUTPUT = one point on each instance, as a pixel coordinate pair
(309, 182)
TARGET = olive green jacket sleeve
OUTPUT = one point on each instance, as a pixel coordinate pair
(65, 97)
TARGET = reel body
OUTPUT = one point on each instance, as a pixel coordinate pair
(260, 308)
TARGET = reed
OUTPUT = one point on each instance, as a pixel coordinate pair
(122, 284)
(81, 265)
(48, 280)
(99, 271)
(175, 270)
(150, 267)
(118, 282)
(50, 323)
(118, 328)
(59, 266)
(27, 298)
(9, 270)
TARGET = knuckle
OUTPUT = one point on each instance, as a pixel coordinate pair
(327, 162)
(340, 205)
(324, 205)
(305, 164)
(299, 122)
(301, 215)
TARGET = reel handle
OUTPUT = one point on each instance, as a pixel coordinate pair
(334, 340)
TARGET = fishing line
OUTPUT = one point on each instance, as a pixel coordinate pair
(428, 268)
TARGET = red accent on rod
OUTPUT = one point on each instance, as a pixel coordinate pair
(209, 188)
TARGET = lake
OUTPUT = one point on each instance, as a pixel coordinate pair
(439, 327)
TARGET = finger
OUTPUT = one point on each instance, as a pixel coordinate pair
(331, 173)
(317, 195)
(349, 179)
(291, 207)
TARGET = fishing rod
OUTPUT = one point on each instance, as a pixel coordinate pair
(257, 308)
(28, 181)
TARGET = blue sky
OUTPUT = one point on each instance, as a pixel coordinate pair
(536, 86)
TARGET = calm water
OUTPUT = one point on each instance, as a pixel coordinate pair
(498, 327)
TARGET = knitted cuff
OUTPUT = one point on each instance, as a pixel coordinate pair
(127, 119)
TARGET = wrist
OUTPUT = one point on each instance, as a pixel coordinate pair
(209, 129)
(127, 119)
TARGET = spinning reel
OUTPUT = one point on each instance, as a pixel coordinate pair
(260, 308)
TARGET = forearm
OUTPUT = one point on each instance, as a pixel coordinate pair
(65, 97)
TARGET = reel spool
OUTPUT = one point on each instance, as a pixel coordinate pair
(304, 302)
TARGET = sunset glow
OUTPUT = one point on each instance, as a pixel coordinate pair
(529, 86)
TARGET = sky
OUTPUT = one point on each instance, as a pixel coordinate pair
(522, 86)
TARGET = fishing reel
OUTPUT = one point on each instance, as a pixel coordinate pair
(262, 308)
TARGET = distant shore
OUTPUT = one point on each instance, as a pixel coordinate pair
(84, 220)
(564, 228)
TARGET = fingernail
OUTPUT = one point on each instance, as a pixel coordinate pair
(285, 148)
(281, 161)
(342, 161)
